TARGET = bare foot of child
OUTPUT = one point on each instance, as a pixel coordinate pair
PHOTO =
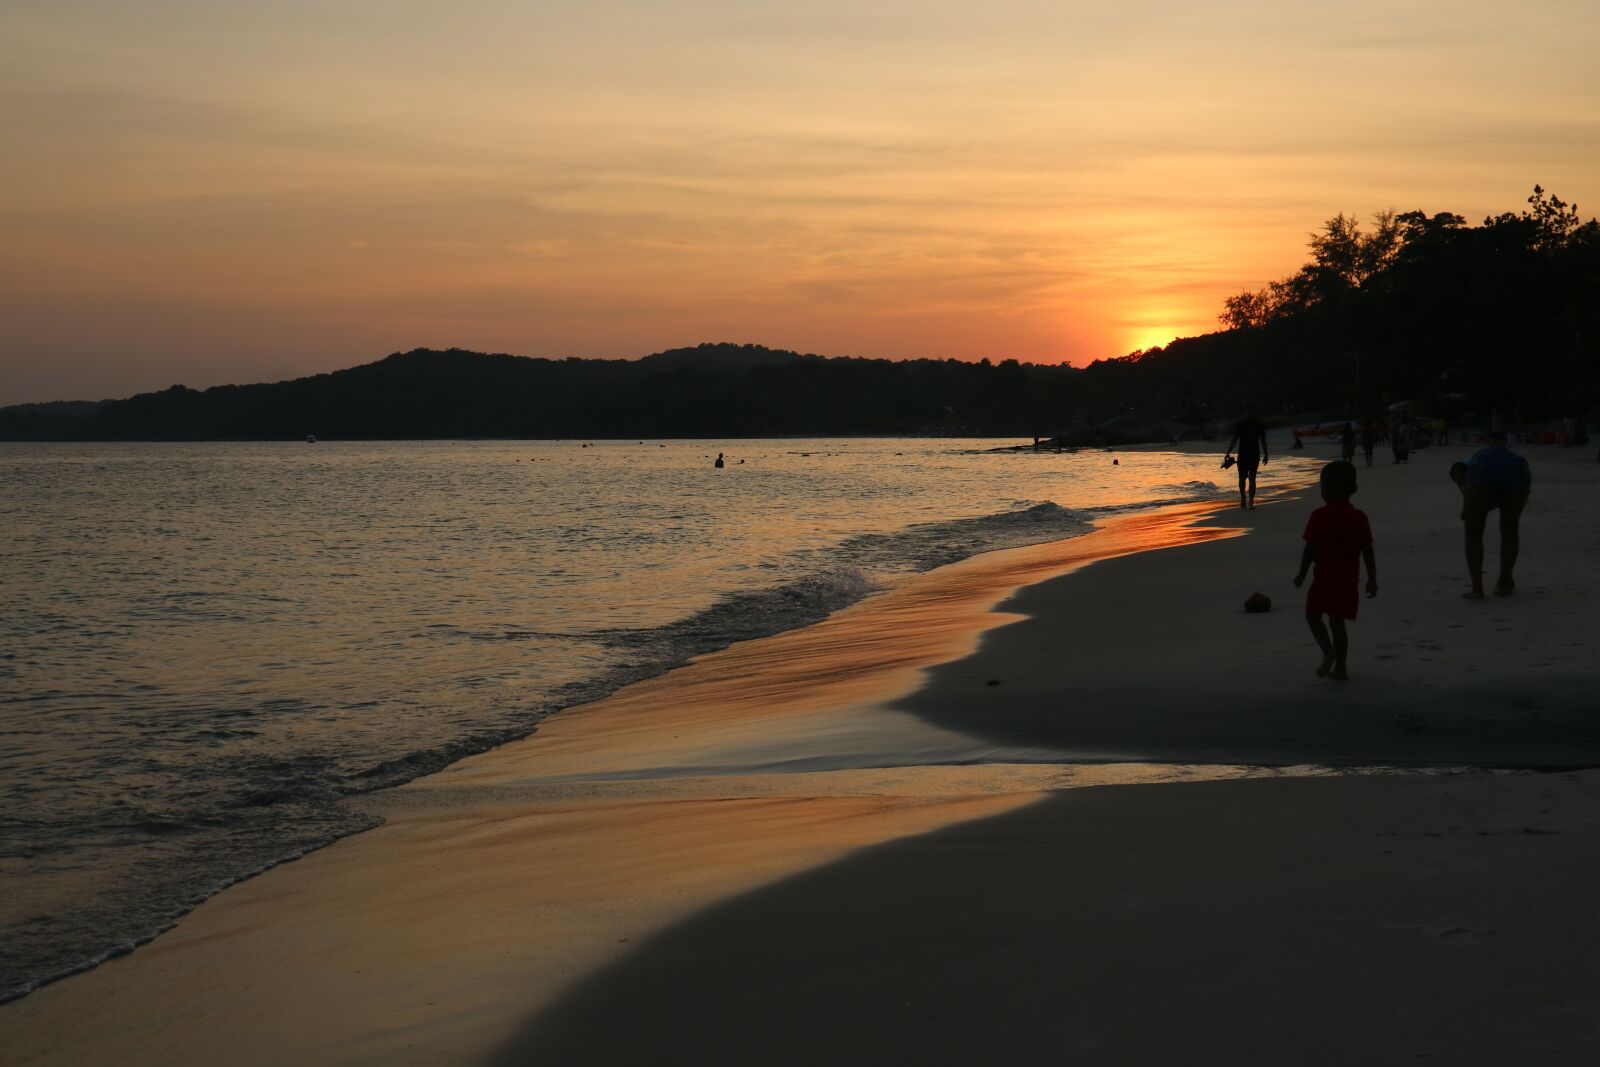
(1505, 588)
(1340, 674)
(1326, 666)
(1473, 594)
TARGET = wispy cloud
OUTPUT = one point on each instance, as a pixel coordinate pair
(1042, 180)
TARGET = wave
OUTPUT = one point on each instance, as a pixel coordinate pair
(839, 576)
(151, 911)
(925, 546)
(234, 817)
(1179, 497)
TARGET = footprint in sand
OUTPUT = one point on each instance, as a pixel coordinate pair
(1465, 933)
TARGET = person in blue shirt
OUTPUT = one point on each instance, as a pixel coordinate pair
(1494, 479)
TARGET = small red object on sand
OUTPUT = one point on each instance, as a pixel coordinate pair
(1257, 603)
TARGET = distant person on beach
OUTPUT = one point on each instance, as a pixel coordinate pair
(1338, 539)
(1347, 442)
(1401, 441)
(719, 464)
(1369, 439)
(1494, 479)
(1251, 438)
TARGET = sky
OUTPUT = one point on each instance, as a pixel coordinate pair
(201, 193)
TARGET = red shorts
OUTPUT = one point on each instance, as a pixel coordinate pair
(1338, 595)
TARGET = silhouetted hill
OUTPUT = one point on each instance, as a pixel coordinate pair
(54, 420)
(721, 356)
(1457, 319)
(72, 408)
(714, 390)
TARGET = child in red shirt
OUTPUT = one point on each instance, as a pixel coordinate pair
(1337, 536)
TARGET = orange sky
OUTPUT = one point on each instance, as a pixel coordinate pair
(203, 193)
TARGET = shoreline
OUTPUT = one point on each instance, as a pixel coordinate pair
(382, 752)
(659, 849)
(1436, 681)
(872, 652)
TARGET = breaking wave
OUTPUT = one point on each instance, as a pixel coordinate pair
(222, 818)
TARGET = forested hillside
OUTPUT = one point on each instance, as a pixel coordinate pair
(1420, 307)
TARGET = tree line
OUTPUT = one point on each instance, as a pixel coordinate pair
(1425, 308)
(1419, 307)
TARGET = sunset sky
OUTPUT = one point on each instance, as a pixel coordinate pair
(204, 192)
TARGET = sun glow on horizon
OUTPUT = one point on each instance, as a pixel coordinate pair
(1159, 327)
(202, 195)
(1154, 337)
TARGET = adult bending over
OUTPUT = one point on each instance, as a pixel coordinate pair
(1251, 438)
(1494, 479)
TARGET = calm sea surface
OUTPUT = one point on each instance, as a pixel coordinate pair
(203, 647)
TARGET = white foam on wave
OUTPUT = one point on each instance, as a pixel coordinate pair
(833, 579)
(927, 545)
(838, 577)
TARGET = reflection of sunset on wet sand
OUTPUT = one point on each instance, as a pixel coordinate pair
(632, 855)
(496, 884)
(737, 709)
(727, 533)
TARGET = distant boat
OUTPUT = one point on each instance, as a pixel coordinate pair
(311, 438)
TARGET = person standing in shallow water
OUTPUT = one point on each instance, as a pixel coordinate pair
(1494, 479)
(1251, 438)
(719, 464)
(1338, 540)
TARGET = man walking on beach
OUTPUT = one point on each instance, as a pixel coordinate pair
(1494, 479)
(1251, 437)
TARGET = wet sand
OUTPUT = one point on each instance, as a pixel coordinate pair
(846, 843)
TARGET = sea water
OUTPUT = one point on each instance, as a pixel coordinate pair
(206, 648)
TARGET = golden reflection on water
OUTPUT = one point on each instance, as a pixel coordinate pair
(804, 696)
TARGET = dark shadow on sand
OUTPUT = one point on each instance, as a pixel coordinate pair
(1080, 684)
(1332, 920)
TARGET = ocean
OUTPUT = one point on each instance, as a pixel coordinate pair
(209, 648)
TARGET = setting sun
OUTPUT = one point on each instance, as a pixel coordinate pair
(764, 532)
(239, 201)
(1153, 337)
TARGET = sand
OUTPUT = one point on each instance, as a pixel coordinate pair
(860, 842)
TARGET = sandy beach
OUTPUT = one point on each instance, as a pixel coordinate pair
(1054, 803)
